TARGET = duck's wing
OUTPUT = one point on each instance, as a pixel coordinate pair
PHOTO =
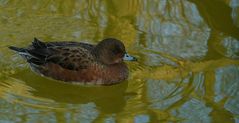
(70, 44)
(71, 55)
(39, 44)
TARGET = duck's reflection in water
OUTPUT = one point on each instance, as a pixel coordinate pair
(95, 100)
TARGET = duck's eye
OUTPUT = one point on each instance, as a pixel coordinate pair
(116, 50)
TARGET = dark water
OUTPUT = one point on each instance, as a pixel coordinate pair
(188, 69)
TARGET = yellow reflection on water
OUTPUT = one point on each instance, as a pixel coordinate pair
(187, 71)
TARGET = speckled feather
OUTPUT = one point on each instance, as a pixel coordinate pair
(69, 55)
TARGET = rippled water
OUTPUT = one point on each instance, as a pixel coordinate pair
(188, 69)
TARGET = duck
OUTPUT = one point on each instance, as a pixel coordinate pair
(78, 62)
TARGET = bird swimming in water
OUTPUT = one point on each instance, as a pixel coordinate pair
(101, 64)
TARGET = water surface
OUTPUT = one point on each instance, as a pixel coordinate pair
(188, 69)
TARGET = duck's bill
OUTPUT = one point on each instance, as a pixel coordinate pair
(128, 57)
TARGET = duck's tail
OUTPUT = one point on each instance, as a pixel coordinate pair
(17, 49)
(36, 44)
(21, 51)
(35, 53)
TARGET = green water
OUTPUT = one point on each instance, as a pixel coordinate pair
(187, 69)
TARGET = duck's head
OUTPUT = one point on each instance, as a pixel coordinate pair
(112, 51)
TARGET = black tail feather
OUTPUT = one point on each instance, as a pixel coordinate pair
(30, 55)
(35, 54)
(35, 61)
(38, 44)
(17, 49)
